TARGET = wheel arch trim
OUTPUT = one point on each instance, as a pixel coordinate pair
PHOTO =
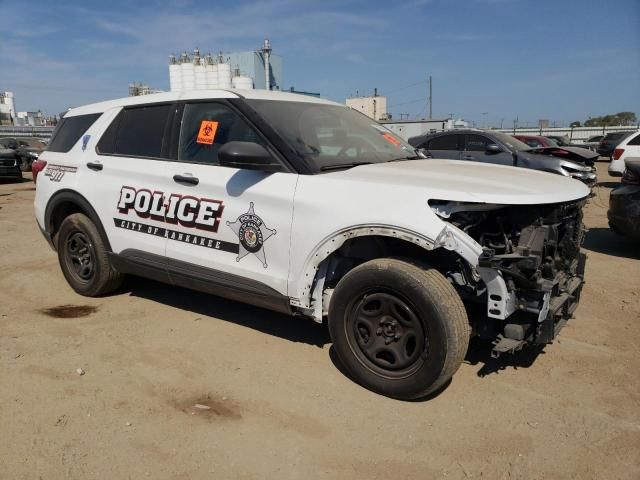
(310, 283)
(71, 196)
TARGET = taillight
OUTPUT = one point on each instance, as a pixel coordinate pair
(617, 153)
(36, 167)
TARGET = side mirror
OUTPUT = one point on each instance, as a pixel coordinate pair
(247, 156)
(493, 148)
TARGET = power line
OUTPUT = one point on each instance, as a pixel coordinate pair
(406, 103)
(405, 87)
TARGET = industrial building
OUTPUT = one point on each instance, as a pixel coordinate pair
(242, 70)
(373, 107)
(137, 89)
(7, 108)
(406, 129)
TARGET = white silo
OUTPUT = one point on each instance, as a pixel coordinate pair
(224, 74)
(212, 72)
(188, 76)
(201, 76)
(242, 82)
(175, 75)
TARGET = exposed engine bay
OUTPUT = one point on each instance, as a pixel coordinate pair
(536, 250)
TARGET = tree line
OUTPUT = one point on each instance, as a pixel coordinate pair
(612, 120)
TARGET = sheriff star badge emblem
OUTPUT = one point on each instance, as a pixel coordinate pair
(252, 233)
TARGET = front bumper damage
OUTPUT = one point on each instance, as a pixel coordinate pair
(532, 267)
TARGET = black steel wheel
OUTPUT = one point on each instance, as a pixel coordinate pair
(83, 257)
(398, 328)
(386, 334)
(79, 256)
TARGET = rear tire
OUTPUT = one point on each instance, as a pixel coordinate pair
(83, 257)
(399, 329)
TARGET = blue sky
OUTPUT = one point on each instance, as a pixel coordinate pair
(557, 60)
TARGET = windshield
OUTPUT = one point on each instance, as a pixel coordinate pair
(330, 136)
(512, 143)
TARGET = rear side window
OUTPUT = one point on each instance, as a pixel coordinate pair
(208, 126)
(137, 132)
(69, 131)
(447, 142)
(635, 140)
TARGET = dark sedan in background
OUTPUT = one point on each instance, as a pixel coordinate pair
(502, 149)
(9, 164)
(27, 149)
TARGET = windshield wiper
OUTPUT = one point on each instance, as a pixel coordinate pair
(339, 166)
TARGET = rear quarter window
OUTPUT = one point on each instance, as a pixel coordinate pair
(69, 131)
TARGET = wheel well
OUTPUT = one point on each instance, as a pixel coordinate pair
(358, 250)
(60, 212)
(67, 203)
(362, 249)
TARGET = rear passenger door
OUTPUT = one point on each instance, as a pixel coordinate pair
(235, 230)
(125, 176)
(476, 151)
(446, 146)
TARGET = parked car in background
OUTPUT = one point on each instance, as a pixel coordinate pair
(27, 149)
(9, 164)
(536, 141)
(592, 142)
(502, 149)
(629, 147)
(610, 141)
(547, 146)
(624, 203)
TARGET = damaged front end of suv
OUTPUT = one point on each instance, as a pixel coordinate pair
(530, 272)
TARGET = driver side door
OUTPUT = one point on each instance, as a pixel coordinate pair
(476, 151)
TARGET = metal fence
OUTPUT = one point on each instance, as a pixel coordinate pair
(26, 131)
(576, 135)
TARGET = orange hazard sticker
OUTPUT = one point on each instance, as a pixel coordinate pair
(391, 139)
(207, 132)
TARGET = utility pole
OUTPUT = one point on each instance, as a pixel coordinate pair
(430, 99)
(484, 119)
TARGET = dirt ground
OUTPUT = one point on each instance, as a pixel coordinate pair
(271, 402)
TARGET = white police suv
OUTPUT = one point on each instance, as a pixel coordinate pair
(304, 206)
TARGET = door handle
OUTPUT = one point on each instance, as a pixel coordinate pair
(95, 166)
(468, 157)
(188, 179)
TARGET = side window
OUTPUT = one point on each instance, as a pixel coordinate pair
(447, 142)
(532, 142)
(635, 140)
(69, 131)
(137, 132)
(208, 126)
(478, 143)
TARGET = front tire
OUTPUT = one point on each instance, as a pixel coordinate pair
(83, 257)
(398, 329)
